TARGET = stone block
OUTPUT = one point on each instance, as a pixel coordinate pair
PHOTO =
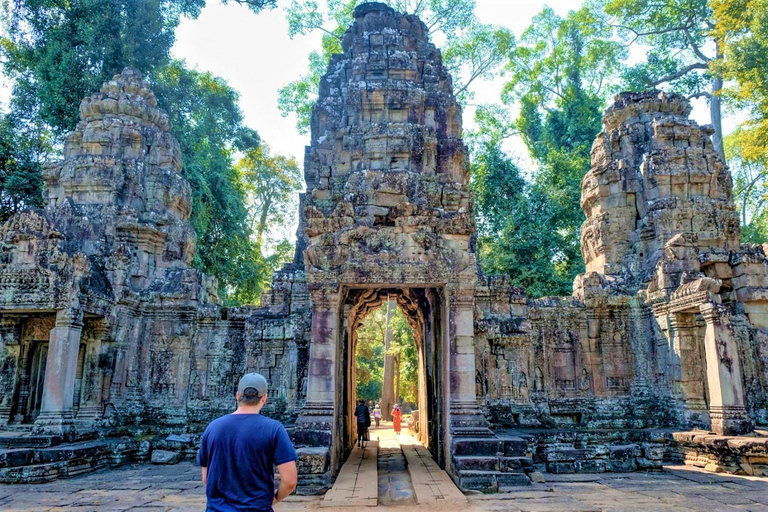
(478, 481)
(623, 452)
(469, 463)
(511, 481)
(649, 464)
(165, 457)
(515, 447)
(589, 466)
(516, 464)
(312, 461)
(560, 468)
(653, 451)
(621, 466)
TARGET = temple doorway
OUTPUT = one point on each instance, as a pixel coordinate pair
(36, 379)
(417, 314)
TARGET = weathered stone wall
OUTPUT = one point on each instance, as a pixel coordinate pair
(146, 346)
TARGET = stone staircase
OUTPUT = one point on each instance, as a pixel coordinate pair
(40, 459)
(496, 464)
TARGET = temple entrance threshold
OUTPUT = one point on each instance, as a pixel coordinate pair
(391, 471)
(422, 308)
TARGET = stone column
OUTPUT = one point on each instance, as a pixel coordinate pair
(91, 406)
(314, 426)
(726, 395)
(9, 344)
(688, 366)
(466, 418)
(61, 366)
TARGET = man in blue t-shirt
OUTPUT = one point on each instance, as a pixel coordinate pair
(238, 453)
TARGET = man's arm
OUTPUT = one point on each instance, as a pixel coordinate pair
(205, 475)
(289, 476)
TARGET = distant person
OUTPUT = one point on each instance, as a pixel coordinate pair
(238, 453)
(397, 418)
(363, 418)
(377, 415)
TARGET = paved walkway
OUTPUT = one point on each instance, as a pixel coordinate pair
(178, 488)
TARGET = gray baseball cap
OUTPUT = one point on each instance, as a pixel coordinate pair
(253, 380)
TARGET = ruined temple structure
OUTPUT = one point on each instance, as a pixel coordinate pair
(110, 340)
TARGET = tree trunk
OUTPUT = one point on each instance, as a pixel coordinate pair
(397, 379)
(387, 382)
(715, 108)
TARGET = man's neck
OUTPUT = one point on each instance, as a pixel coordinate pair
(248, 409)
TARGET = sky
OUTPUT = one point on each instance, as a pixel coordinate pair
(255, 55)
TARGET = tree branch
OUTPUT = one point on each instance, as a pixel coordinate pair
(677, 74)
(695, 48)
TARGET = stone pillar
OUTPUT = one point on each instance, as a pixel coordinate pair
(466, 418)
(314, 426)
(11, 361)
(726, 395)
(688, 364)
(91, 406)
(61, 366)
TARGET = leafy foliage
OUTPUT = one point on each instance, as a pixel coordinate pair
(681, 51)
(208, 123)
(21, 151)
(559, 72)
(370, 355)
(742, 31)
(55, 53)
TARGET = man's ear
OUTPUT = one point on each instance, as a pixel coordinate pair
(237, 396)
(264, 399)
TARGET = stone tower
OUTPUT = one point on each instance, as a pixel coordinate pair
(388, 213)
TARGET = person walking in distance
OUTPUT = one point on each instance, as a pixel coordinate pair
(238, 453)
(363, 417)
(397, 418)
(377, 415)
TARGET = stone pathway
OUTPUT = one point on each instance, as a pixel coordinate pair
(178, 488)
(355, 486)
(395, 486)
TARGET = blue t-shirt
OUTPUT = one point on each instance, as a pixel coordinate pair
(239, 451)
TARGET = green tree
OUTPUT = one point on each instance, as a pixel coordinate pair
(741, 31)
(750, 183)
(682, 50)
(207, 121)
(371, 352)
(369, 355)
(271, 184)
(472, 50)
(516, 226)
(560, 72)
(56, 52)
(21, 152)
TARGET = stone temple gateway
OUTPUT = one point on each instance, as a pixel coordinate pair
(109, 337)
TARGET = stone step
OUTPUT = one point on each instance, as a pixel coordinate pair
(37, 465)
(492, 481)
(25, 440)
(34, 474)
(481, 446)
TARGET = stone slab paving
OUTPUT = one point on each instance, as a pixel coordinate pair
(357, 483)
(431, 484)
(395, 486)
(178, 489)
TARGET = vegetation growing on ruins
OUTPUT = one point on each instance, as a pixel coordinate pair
(558, 76)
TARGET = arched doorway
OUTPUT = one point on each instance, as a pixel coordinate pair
(422, 308)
